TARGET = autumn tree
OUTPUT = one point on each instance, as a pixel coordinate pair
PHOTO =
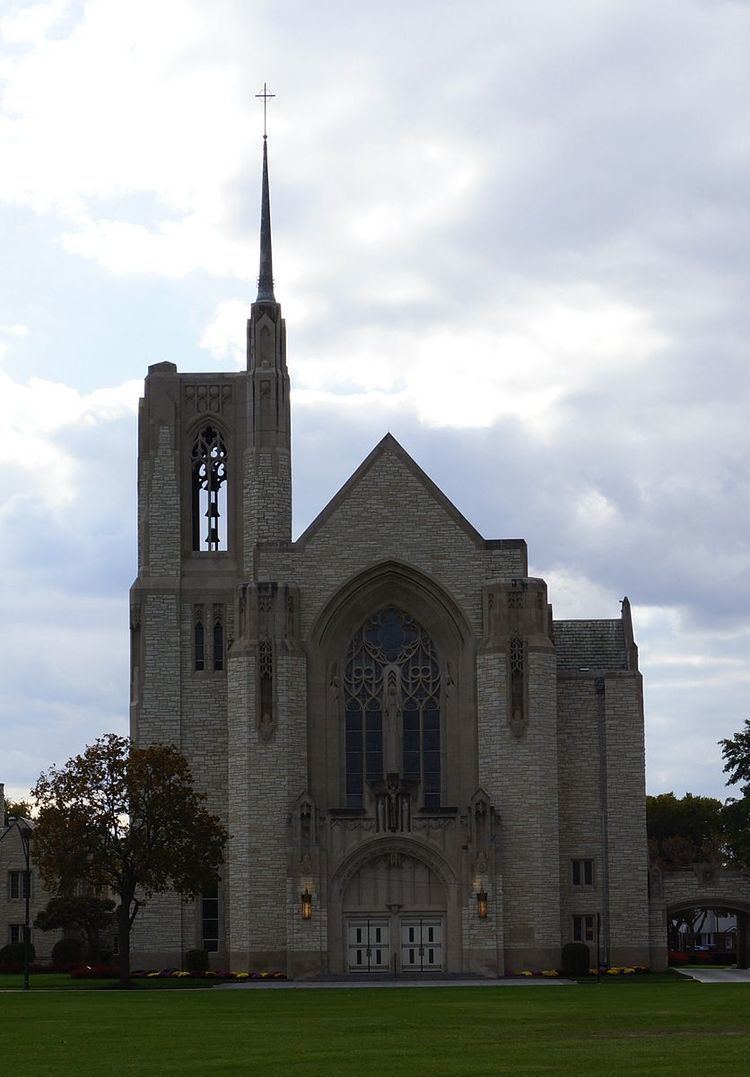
(85, 913)
(128, 820)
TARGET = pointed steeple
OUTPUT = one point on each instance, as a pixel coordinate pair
(265, 275)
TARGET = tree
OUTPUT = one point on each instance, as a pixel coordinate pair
(86, 914)
(16, 809)
(127, 819)
(736, 753)
(683, 830)
(737, 826)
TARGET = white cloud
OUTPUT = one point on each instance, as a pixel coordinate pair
(34, 413)
(225, 334)
(113, 108)
(28, 24)
(574, 596)
(167, 248)
(521, 362)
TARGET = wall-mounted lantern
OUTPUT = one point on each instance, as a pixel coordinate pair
(482, 904)
(306, 900)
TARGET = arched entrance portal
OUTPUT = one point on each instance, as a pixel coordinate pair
(394, 910)
(708, 933)
(687, 890)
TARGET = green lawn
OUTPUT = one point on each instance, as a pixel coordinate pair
(638, 1028)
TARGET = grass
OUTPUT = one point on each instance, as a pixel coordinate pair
(662, 1028)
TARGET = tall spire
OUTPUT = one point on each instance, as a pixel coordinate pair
(265, 276)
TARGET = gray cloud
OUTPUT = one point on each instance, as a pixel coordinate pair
(439, 171)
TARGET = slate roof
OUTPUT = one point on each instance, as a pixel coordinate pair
(590, 645)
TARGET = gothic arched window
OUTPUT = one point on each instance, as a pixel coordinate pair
(199, 642)
(392, 705)
(209, 490)
(218, 645)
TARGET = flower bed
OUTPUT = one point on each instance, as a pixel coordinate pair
(616, 970)
(178, 974)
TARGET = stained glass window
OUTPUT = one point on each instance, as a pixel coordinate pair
(392, 706)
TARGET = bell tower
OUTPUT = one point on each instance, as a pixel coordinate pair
(214, 491)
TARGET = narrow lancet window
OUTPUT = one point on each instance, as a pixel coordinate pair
(218, 645)
(199, 640)
(210, 919)
(209, 491)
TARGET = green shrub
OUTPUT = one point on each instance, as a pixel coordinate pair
(575, 959)
(12, 954)
(196, 961)
(68, 952)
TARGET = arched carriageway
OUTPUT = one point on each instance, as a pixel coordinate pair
(701, 886)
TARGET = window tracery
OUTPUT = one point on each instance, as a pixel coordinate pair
(392, 686)
(209, 489)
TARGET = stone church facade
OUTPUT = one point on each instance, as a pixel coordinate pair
(421, 770)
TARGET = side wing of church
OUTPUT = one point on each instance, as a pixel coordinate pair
(420, 769)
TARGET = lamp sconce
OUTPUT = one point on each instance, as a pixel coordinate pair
(306, 900)
(482, 904)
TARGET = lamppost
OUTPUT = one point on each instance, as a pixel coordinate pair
(24, 833)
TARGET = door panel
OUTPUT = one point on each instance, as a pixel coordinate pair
(369, 948)
(421, 945)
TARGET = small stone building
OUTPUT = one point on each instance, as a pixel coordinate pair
(13, 890)
(421, 770)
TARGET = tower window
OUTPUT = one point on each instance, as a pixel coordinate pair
(209, 491)
(218, 645)
(199, 639)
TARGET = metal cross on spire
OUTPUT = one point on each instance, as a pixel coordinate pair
(265, 96)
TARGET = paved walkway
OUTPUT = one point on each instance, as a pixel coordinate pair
(306, 985)
(716, 976)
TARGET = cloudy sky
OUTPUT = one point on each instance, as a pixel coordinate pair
(513, 233)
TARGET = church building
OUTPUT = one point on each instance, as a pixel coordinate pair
(421, 770)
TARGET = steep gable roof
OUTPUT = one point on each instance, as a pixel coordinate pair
(389, 444)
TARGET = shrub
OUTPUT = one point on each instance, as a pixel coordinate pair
(67, 952)
(196, 961)
(575, 959)
(12, 954)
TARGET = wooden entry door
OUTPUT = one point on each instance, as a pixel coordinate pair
(369, 948)
(421, 945)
